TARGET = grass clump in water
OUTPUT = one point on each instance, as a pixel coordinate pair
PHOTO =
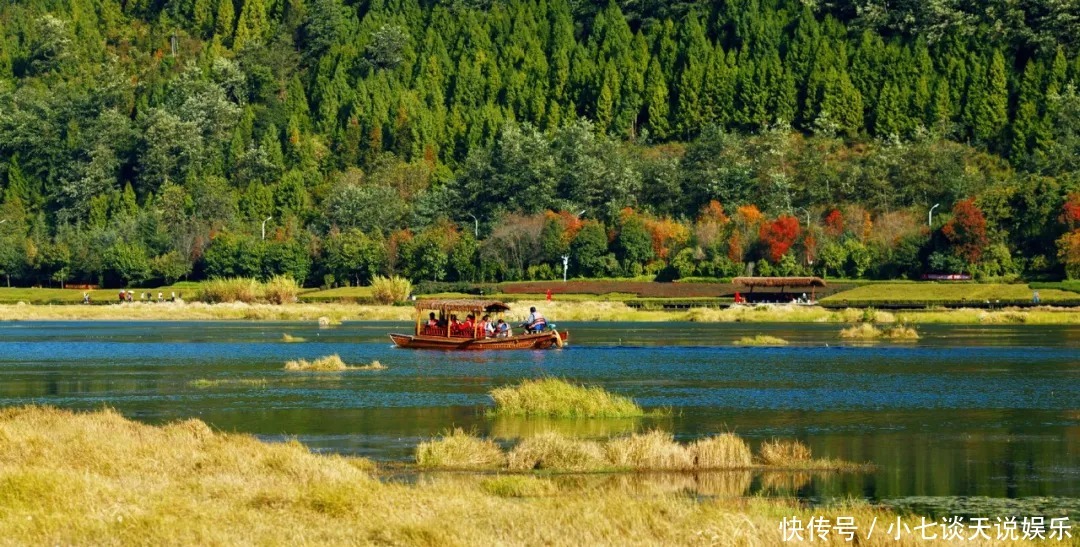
(561, 399)
(784, 453)
(866, 331)
(555, 451)
(761, 340)
(205, 383)
(330, 363)
(655, 450)
(460, 450)
(290, 339)
(724, 451)
(518, 486)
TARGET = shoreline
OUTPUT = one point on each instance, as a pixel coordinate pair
(576, 311)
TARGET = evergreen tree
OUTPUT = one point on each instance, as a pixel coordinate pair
(225, 20)
(252, 25)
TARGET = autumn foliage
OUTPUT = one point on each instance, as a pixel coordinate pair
(966, 231)
(834, 223)
(1070, 213)
(779, 235)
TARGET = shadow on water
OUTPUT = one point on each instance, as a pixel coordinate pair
(966, 412)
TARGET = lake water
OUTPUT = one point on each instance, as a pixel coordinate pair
(965, 411)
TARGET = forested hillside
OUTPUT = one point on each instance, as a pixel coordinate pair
(145, 141)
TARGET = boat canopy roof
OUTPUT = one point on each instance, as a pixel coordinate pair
(462, 305)
(779, 281)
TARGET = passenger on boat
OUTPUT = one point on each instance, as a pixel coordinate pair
(502, 329)
(468, 328)
(487, 328)
(535, 322)
(432, 322)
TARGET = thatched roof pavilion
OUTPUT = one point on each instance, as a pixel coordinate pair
(462, 305)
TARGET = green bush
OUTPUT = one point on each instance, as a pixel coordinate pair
(281, 289)
(234, 289)
(390, 290)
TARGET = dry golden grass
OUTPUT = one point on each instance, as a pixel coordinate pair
(761, 340)
(205, 383)
(518, 486)
(642, 452)
(724, 451)
(555, 451)
(866, 331)
(553, 397)
(99, 479)
(782, 453)
(330, 363)
(200, 311)
(290, 339)
(460, 450)
(652, 451)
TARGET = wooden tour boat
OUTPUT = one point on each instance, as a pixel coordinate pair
(445, 338)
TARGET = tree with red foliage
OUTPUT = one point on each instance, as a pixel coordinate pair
(834, 223)
(1070, 213)
(966, 230)
(779, 235)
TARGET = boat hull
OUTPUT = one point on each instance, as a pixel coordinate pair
(525, 341)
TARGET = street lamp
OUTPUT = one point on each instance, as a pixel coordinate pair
(807, 211)
(930, 216)
(264, 227)
(565, 266)
(3, 221)
(476, 226)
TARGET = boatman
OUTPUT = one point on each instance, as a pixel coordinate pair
(535, 322)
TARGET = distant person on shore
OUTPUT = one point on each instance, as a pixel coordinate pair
(1035, 297)
(160, 296)
(85, 298)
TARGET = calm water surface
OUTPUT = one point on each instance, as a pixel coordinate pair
(966, 411)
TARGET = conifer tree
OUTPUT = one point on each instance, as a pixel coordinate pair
(226, 18)
(991, 101)
(657, 105)
(252, 25)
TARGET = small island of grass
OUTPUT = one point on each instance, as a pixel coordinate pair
(557, 398)
(761, 340)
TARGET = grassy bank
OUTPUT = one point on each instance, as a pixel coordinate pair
(930, 293)
(555, 311)
(99, 478)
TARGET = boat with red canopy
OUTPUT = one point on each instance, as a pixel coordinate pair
(444, 334)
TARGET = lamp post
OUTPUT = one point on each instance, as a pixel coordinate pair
(565, 266)
(807, 211)
(3, 221)
(476, 226)
(264, 227)
(930, 216)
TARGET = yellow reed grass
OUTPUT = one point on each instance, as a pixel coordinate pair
(92, 478)
(761, 340)
(518, 486)
(654, 450)
(558, 398)
(555, 451)
(290, 339)
(459, 450)
(724, 451)
(784, 453)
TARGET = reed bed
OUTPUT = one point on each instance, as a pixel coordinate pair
(460, 450)
(89, 478)
(290, 339)
(553, 397)
(642, 452)
(202, 311)
(518, 486)
(761, 340)
(866, 331)
(330, 363)
(205, 383)
(281, 290)
(558, 452)
(784, 453)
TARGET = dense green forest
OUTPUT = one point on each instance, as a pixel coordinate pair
(146, 141)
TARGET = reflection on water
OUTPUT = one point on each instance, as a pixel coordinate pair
(724, 484)
(975, 411)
